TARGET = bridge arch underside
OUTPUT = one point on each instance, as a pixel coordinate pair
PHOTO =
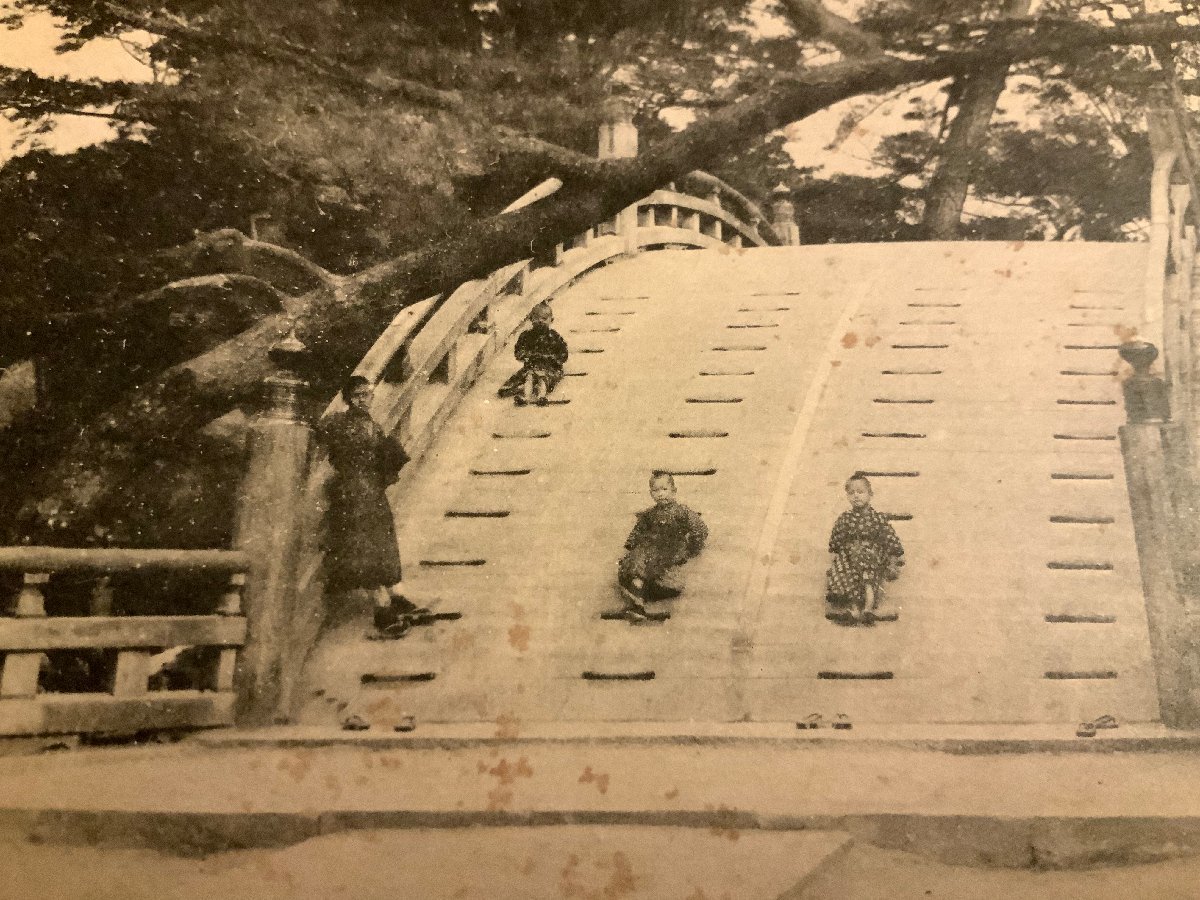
(976, 382)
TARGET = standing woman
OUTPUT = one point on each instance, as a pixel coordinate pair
(360, 546)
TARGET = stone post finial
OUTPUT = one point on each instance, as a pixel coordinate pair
(783, 215)
(1146, 399)
(618, 134)
(285, 388)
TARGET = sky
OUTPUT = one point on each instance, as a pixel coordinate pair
(32, 47)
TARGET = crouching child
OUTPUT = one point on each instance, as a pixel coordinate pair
(542, 353)
(864, 552)
(665, 536)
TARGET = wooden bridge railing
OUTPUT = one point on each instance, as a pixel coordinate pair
(117, 696)
(1159, 441)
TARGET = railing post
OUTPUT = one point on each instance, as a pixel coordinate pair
(1176, 357)
(783, 216)
(230, 605)
(102, 597)
(619, 140)
(269, 513)
(755, 224)
(1165, 156)
(19, 671)
(1172, 644)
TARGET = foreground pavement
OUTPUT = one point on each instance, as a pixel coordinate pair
(963, 804)
(558, 862)
(458, 864)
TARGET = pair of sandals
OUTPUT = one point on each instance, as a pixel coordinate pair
(815, 720)
(1089, 729)
(356, 722)
(394, 621)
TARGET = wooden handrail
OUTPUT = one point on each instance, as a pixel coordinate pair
(107, 559)
(686, 202)
(120, 632)
(748, 206)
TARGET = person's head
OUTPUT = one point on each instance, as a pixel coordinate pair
(357, 392)
(542, 314)
(662, 487)
(858, 490)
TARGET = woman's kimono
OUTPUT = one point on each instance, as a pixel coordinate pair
(360, 533)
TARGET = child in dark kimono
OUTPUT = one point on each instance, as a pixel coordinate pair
(360, 533)
(865, 551)
(543, 353)
(664, 537)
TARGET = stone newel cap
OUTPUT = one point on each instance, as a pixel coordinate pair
(1139, 354)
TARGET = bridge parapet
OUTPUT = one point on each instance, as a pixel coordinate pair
(1168, 317)
(1159, 441)
(118, 650)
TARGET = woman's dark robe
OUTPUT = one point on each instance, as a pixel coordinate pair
(360, 534)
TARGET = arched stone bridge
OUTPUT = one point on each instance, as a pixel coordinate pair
(978, 384)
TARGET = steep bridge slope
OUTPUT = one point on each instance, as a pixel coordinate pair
(978, 382)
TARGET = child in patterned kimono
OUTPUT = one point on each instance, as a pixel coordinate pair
(664, 537)
(865, 550)
(542, 353)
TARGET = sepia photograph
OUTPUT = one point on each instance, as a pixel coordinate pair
(599, 450)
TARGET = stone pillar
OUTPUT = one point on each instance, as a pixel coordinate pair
(783, 216)
(618, 139)
(1156, 527)
(618, 134)
(269, 513)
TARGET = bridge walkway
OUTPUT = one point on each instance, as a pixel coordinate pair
(776, 370)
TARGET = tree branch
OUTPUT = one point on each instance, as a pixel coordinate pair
(222, 281)
(285, 52)
(34, 94)
(810, 19)
(142, 303)
(228, 250)
(53, 109)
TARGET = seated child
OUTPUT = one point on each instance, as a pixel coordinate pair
(665, 536)
(865, 549)
(542, 352)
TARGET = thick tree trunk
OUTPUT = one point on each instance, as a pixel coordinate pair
(340, 321)
(960, 152)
